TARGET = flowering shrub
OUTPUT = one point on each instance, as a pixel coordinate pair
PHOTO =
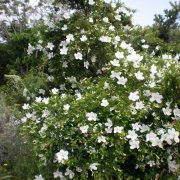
(119, 120)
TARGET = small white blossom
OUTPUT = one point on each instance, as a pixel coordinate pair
(66, 107)
(104, 103)
(105, 19)
(93, 59)
(69, 173)
(55, 91)
(39, 177)
(134, 96)
(63, 51)
(139, 75)
(176, 112)
(42, 91)
(119, 55)
(139, 105)
(105, 39)
(101, 139)
(115, 63)
(132, 135)
(167, 111)
(91, 2)
(122, 80)
(91, 116)
(61, 156)
(86, 64)
(134, 144)
(84, 129)
(50, 46)
(94, 166)
(83, 38)
(118, 129)
(78, 55)
(156, 97)
(26, 106)
(58, 174)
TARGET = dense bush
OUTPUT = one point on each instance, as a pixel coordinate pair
(115, 114)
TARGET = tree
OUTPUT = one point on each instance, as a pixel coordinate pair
(168, 22)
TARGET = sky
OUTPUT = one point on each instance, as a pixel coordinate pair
(145, 9)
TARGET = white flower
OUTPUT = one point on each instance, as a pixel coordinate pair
(64, 27)
(91, 20)
(50, 55)
(63, 51)
(119, 55)
(66, 107)
(24, 119)
(84, 129)
(91, 2)
(58, 174)
(115, 74)
(139, 105)
(136, 126)
(111, 28)
(109, 123)
(105, 39)
(78, 55)
(69, 38)
(55, 91)
(145, 46)
(93, 59)
(151, 163)
(108, 130)
(69, 173)
(156, 97)
(118, 17)
(106, 86)
(83, 38)
(144, 128)
(132, 135)
(91, 116)
(176, 112)
(61, 156)
(153, 69)
(134, 144)
(115, 63)
(139, 75)
(51, 78)
(25, 92)
(45, 100)
(151, 136)
(94, 166)
(173, 134)
(30, 49)
(26, 106)
(86, 64)
(122, 80)
(173, 166)
(42, 91)
(133, 96)
(167, 111)
(118, 129)
(65, 64)
(105, 19)
(39, 177)
(50, 46)
(66, 15)
(45, 113)
(104, 103)
(38, 99)
(101, 139)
